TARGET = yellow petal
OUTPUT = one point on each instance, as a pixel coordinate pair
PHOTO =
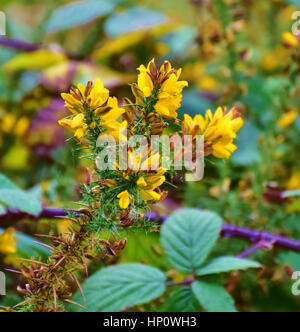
(79, 133)
(150, 195)
(124, 201)
(188, 121)
(110, 183)
(99, 95)
(141, 182)
(67, 123)
(145, 83)
(77, 121)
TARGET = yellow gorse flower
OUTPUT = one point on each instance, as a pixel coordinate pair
(82, 100)
(109, 120)
(148, 181)
(219, 130)
(76, 124)
(163, 85)
(144, 81)
(8, 242)
(81, 97)
(124, 201)
(169, 99)
(148, 184)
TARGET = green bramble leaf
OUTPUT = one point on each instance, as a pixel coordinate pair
(28, 248)
(136, 18)
(188, 236)
(16, 198)
(78, 13)
(182, 300)
(213, 297)
(20, 200)
(117, 287)
(180, 40)
(6, 183)
(226, 264)
(2, 209)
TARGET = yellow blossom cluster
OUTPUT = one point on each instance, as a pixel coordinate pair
(90, 105)
(148, 182)
(219, 130)
(158, 95)
(163, 86)
(148, 185)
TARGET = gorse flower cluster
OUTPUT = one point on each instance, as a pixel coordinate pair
(161, 87)
(90, 105)
(122, 195)
(219, 130)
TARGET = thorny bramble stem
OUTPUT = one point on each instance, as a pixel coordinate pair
(256, 246)
(186, 282)
(18, 44)
(261, 239)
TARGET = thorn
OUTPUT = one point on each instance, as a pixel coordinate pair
(85, 211)
(46, 236)
(85, 264)
(68, 218)
(55, 298)
(79, 203)
(44, 245)
(14, 271)
(24, 302)
(72, 302)
(33, 261)
(60, 261)
(41, 280)
(54, 238)
(21, 291)
(79, 286)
